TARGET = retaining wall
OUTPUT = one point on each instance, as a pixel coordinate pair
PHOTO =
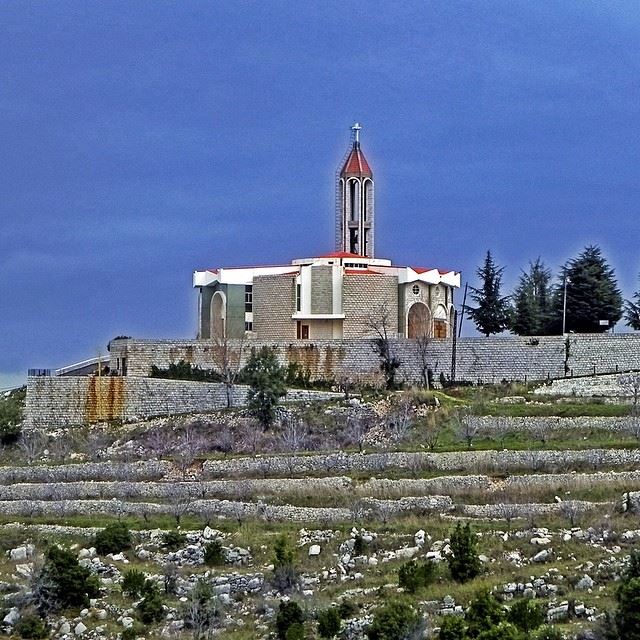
(485, 359)
(65, 400)
(494, 462)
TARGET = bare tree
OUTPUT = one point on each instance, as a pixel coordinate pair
(180, 497)
(60, 448)
(572, 510)
(467, 425)
(187, 449)
(294, 434)
(400, 419)
(430, 430)
(227, 361)
(380, 323)
(423, 333)
(32, 445)
(357, 427)
(630, 384)
(159, 442)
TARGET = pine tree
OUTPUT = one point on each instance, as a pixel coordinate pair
(464, 563)
(492, 313)
(592, 294)
(632, 311)
(532, 301)
(266, 379)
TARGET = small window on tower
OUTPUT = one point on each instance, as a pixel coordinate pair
(248, 298)
(298, 298)
(415, 289)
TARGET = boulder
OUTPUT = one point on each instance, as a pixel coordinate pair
(80, 628)
(12, 617)
(314, 550)
(585, 583)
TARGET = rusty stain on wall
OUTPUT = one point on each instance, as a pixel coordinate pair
(105, 398)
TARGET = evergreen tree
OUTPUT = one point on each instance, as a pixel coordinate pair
(492, 313)
(396, 620)
(464, 563)
(266, 380)
(532, 301)
(484, 613)
(592, 294)
(628, 613)
(632, 311)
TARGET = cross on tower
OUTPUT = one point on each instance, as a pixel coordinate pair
(356, 132)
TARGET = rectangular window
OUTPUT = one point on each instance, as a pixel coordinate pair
(298, 298)
(302, 331)
(248, 298)
(248, 326)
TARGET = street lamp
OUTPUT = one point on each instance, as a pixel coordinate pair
(564, 304)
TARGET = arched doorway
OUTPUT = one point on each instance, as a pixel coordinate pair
(218, 315)
(440, 322)
(418, 321)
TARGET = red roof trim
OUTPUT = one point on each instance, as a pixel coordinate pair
(342, 254)
(361, 272)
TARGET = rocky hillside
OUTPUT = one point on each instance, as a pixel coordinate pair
(339, 517)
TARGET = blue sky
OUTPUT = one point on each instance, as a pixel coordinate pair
(142, 140)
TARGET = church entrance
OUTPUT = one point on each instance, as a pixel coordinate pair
(418, 323)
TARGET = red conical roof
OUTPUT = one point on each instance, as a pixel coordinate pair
(356, 164)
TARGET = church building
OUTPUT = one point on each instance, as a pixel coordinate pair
(339, 295)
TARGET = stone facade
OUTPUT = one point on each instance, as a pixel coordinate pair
(367, 297)
(273, 304)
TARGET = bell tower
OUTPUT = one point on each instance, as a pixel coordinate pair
(354, 202)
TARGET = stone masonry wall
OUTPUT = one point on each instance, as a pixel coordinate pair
(273, 302)
(361, 299)
(477, 359)
(63, 401)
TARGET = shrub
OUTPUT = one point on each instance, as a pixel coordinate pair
(484, 613)
(348, 609)
(113, 538)
(201, 611)
(63, 582)
(396, 620)
(150, 608)
(359, 546)
(628, 612)
(173, 539)
(415, 575)
(501, 631)
(11, 414)
(285, 575)
(453, 628)
(134, 631)
(214, 554)
(526, 615)
(329, 622)
(547, 632)
(133, 583)
(31, 626)
(295, 632)
(289, 614)
(463, 560)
